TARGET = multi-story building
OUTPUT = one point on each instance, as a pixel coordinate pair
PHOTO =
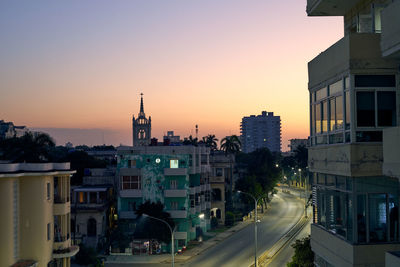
(178, 176)
(171, 138)
(92, 207)
(8, 130)
(354, 98)
(261, 131)
(220, 164)
(35, 205)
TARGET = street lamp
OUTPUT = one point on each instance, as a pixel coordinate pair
(305, 194)
(172, 235)
(255, 223)
(283, 175)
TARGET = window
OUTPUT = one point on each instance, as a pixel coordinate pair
(336, 87)
(173, 184)
(339, 112)
(174, 205)
(131, 182)
(82, 197)
(386, 108)
(131, 163)
(192, 202)
(218, 172)
(48, 232)
(174, 164)
(324, 116)
(347, 106)
(321, 93)
(366, 109)
(318, 118)
(48, 190)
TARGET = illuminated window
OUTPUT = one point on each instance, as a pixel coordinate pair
(82, 197)
(174, 163)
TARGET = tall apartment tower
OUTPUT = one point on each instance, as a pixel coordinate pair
(354, 107)
(141, 127)
(261, 131)
(36, 214)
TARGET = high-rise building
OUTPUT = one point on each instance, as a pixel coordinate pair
(141, 127)
(354, 102)
(261, 131)
(35, 208)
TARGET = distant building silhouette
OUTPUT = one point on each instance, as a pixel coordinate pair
(261, 131)
(9, 130)
(141, 127)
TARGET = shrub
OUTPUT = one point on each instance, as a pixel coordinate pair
(214, 222)
(229, 218)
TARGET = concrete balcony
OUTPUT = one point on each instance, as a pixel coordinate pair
(359, 52)
(217, 179)
(175, 171)
(177, 214)
(130, 172)
(127, 215)
(61, 242)
(208, 205)
(203, 206)
(391, 152)
(130, 193)
(62, 208)
(329, 7)
(390, 37)
(180, 235)
(65, 253)
(195, 189)
(175, 193)
(339, 252)
(346, 159)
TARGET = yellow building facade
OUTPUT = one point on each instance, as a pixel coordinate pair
(35, 208)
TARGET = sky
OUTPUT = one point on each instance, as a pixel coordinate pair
(76, 68)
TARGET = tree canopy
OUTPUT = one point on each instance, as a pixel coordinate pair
(231, 144)
(150, 228)
(303, 255)
(210, 141)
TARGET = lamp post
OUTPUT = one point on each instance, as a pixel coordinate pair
(255, 223)
(283, 175)
(305, 194)
(172, 235)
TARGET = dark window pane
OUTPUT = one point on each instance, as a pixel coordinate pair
(318, 118)
(375, 81)
(339, 112)
(347, 100)
(365, 109)
(332, 121)
(324, 116)
(361, 222)
(386, 108)
(377, 217)
(369, 136)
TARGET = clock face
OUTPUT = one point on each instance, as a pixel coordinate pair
(158, 160)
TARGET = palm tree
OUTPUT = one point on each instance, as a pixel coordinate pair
(210, 141)
(231, 145)
(190, 141)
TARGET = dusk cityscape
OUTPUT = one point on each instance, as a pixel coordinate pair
(200, 133)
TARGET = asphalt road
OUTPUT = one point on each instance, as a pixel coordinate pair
(286, 253)
(238, 249)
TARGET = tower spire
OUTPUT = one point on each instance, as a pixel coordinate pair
(141, 103)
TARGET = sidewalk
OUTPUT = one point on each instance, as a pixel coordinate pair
(165, 258)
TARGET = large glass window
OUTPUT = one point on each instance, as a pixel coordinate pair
(335, 88)
(339, 112)
(324, 116)
(321, 94)
(318, 117)
(386, 108)
(332, 116)
(131, 182)
(347, 100)
(312, 119)
(174, 163)
(394, 217)
(361, 219)
(366, 109)
(377, 217)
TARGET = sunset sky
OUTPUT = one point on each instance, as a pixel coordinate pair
(81, 65)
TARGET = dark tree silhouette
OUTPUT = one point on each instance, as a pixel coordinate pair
(211, 141)
(150, 228)
(32, 147)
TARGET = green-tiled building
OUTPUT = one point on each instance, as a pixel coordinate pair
(178, 176)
